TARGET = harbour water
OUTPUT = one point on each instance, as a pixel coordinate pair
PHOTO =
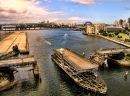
(54, 82)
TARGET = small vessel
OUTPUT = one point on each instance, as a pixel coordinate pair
(80, 69)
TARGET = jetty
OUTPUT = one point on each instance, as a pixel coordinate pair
(16, 38)
(79, 69)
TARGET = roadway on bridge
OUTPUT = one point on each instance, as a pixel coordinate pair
(17, 62)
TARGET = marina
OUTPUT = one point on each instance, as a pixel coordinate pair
(80, 70)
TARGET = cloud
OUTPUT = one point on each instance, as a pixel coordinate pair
(93, 2)
(68, 20)
(86, 2)
(77, 19)
(71, 10)
(127, 8)
(24, 11)
(47, 0)
(123, 0)
(37, 2)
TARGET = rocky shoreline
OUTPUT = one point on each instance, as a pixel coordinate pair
(6, 84)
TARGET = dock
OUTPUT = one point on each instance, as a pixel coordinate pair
(16, 38)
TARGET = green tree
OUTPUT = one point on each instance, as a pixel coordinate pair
(105, 34)
(119, 36)
(110, 35)
(116, 33)
(121, 56)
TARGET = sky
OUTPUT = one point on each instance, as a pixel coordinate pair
(64, 11)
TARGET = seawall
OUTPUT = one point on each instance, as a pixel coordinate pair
(115, 41)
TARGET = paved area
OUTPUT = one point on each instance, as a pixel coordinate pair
(17, 38)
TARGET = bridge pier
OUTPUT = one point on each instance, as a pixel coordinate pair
(35, 70)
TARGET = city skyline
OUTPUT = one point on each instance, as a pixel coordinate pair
(63, 11)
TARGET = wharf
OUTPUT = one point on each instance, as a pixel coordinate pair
(17, 38)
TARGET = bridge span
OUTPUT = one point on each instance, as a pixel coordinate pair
(23, 61)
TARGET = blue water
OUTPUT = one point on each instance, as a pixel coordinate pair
(54, 81)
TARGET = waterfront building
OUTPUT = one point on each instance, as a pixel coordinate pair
(116, 23)
(90, 29)
(120, 22)
(43, 22)
(124, 23)
(47, 22)
(129, 21)
(101, 26)
(95, 28)
(113, 28)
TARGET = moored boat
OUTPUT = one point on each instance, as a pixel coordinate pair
(80, 69)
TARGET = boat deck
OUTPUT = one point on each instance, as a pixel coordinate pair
(78, 61)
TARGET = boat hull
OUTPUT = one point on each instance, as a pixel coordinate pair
(73, 78)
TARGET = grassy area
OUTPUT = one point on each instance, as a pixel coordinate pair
(124, 36)
(118, 35)
(3, 75)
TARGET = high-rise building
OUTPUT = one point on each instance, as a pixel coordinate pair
(124, 23)
(120, 22)
(129, 21)
(116, 23)
(47, 22)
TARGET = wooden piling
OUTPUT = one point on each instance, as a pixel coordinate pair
(35, 70)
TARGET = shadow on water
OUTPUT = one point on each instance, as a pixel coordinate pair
(27, 86)
(26, 82)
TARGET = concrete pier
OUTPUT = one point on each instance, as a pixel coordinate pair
(17, 38)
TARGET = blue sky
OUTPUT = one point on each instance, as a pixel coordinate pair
(64, 11)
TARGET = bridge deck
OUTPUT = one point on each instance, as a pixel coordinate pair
(17, 38)
(78, 61)
(17, 62)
